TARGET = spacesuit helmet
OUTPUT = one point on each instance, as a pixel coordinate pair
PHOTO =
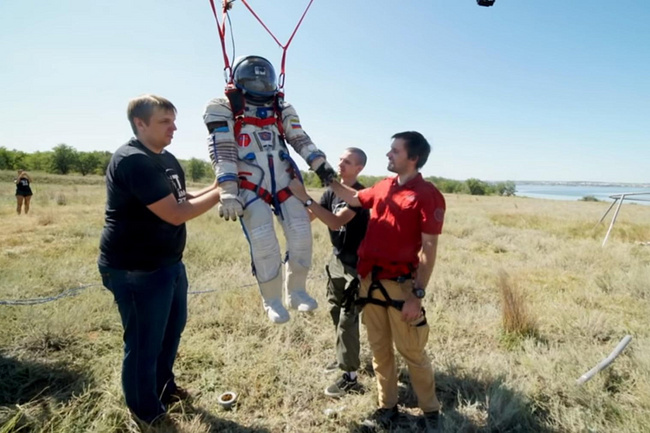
(255, 76)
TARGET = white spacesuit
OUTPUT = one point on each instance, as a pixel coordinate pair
(247, 133)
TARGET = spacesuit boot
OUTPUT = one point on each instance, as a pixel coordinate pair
(297, 296)
(272, 300)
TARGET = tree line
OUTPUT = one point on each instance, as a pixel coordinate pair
(64, 159)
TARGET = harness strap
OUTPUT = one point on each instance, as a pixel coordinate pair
(388, 301)
(284, 47)
(262, 193)
(227, 71)
(238, 107)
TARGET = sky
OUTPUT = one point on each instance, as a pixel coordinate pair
(524, 90)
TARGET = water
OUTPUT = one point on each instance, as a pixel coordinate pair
(576, 192)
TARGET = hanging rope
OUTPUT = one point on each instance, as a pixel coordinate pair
(226, 5)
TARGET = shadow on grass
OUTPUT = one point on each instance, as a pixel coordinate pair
(23, 381)
(215, 424)
(498, 408)
(27, 380)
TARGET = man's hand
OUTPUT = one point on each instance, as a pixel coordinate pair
(230, 207)
(324, 171)
(298, 190)
(412, 309)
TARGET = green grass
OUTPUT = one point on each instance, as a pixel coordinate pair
(60, 361)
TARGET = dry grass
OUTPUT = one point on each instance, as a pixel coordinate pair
(516, 318)
(569, 302)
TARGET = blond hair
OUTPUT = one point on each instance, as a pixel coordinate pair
(143, 106)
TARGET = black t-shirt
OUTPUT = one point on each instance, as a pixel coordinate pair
(22, 185)
(346, 240)
(134, 238)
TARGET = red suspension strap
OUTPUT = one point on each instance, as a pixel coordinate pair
(226, 4)
(284, 47)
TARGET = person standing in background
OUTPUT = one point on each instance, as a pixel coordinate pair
(347, 227)
(23, 191)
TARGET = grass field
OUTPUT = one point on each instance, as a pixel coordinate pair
(522, 302)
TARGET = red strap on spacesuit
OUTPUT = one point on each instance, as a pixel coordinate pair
(266, 196)
(238, 107)
(258, 122)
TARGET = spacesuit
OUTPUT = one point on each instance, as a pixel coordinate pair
(246, 142)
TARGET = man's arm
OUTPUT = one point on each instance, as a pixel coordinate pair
(347, 194)
(199, 193)
(169, 210)
(334, 221)
(428, 255)
(412, 305)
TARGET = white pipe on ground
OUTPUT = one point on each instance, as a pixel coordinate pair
(605, 362)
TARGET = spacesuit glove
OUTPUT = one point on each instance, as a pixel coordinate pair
(230, 206)
(324, 170)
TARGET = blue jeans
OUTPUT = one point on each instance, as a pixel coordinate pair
(153, 308)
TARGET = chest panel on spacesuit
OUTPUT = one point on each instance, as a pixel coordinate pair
(255, 140)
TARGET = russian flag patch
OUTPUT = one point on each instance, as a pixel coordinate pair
(295, 124)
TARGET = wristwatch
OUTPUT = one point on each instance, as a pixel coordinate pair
(308, 202)
(418, 292)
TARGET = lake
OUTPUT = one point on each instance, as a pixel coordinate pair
(576, 192)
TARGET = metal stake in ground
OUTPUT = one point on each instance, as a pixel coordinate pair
(605, 362)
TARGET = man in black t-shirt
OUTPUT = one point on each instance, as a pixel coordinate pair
(141, 250)
(347, 227)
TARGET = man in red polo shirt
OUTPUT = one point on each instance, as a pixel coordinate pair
(396, 259)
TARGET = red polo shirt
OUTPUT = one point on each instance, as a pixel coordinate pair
(399, 216)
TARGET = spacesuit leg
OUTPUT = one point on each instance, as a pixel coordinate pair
(265, 251)
(297, 231)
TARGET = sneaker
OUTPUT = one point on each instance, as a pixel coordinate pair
(331, 367)
(429, 421)
(276, 311)
(342, 386)
(382, 418)
(301, 301)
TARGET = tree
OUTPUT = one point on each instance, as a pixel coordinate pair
(476, 186)
(198, 169)
(507, 188)
(104, 159)
(86, 162)
(40, 161)
(64, 159)
(6, 159)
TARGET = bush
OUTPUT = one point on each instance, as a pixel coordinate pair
(589, 198)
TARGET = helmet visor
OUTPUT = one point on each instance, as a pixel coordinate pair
(256, 76)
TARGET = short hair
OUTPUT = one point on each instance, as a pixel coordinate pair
(143, 106)
(416, 146)
(360, 154)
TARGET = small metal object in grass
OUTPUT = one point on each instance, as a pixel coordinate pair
(227, 400)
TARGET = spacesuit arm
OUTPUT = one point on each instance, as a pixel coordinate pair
(222, 145)
(222, 148)
(301, 142)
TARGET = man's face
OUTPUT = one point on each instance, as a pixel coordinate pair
(159, 131)
(398, 160)
(349, 166)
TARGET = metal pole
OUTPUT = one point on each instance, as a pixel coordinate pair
(606, 212)
(605, 362)
(611, 225)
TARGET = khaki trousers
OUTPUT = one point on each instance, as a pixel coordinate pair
(385, 327)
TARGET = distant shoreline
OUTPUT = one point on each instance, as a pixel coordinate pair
(582, 183)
